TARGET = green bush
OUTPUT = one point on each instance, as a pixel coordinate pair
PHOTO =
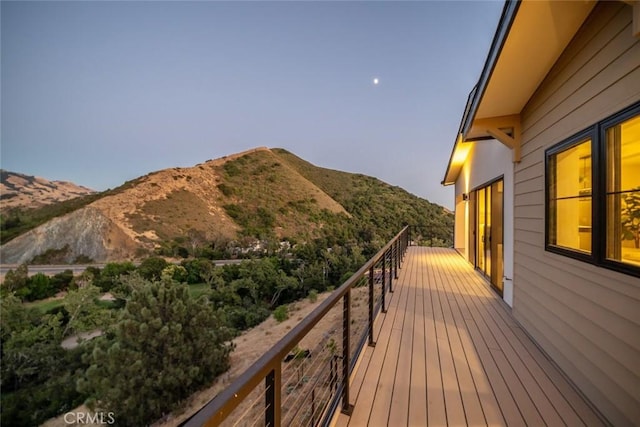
(225, 189)
(40, 285)
(281, 313)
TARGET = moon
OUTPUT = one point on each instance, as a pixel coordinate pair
(376, 81)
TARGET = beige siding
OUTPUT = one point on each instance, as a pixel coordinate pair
(586, 318)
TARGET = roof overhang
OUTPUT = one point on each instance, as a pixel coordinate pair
(530, 37)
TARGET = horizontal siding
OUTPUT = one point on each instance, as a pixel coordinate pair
(624, 382)
(532, 157)
(586, 318)
(531, 198)
(619, 308)
(530, 185)
(530, 224)
(530, 211)
(616, 284)
(526, 173)
(543, 325)
(585, 45)
(535, 238)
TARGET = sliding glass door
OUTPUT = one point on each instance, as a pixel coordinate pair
(488, 232)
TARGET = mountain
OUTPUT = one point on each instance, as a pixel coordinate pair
(265, 194)
(23, 191)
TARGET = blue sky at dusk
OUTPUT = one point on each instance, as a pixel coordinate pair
(102, 92)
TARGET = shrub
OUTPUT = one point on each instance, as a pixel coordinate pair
(281, 313)
(225, 189)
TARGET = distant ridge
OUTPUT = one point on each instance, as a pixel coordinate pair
(24, 191)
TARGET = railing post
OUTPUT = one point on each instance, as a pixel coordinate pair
(397, 258)
(404, 245)
(347, 408)
(391, 269)
(272, 410)
(372, 343)
(384, 281)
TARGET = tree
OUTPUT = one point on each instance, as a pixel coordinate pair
(61, 281)
(151, 268)
(84, 312)
(37, 373)
(111, 274)
(165, 346)
(210, 274)
(17, 281)
(175, 272)
(40, 286)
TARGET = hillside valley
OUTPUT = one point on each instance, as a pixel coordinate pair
(258, 197)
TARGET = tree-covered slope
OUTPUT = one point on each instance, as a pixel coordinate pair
(380, 208)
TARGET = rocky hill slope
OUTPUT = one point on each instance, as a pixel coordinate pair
(259, 194)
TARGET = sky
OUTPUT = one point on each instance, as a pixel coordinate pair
(99, 93)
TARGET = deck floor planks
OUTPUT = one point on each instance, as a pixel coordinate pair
(382, 402)
(572, 407)
(452, 395)
(485, 346)
(486, 398)
(539, 387)
(436, 410)
(464, 360)
(398, 412)
(362, 413)
(452, 342)
(520, 361)
(509, 392)
(417, 391)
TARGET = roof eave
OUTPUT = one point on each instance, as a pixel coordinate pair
(473, 101)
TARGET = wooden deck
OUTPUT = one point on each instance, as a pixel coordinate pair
(448, 352)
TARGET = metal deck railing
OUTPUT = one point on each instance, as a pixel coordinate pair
(304, 378)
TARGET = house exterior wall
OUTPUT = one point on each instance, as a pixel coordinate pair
(586, 318)
(487, 161)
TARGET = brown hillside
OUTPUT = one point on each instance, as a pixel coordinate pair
(187, 203)
(24, 191)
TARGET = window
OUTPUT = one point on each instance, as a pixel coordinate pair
(593, 194)
(570, 196)
(623, 191)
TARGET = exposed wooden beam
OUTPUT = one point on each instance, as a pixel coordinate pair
(497, 127)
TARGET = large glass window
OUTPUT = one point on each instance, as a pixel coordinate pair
(623, 191)
(593, 194)
(570, 197)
